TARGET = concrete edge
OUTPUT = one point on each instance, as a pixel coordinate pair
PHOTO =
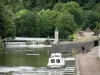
(77, 66)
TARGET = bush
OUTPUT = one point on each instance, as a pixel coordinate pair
(71, 38)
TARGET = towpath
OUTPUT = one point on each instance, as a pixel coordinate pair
(89, 63)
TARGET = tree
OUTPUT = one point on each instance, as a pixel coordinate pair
(80, 2)
(66, 24)
(58, 7)
(74, 9)
(1, 19)
(46, 22)
(91, 4)
(7, 26)
(25, 23)
(90, 19)
(29, 4)
(45, 4)
(14, 5)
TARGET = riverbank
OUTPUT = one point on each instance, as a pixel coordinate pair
(88, 63)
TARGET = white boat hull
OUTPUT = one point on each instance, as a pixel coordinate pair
(56, 62)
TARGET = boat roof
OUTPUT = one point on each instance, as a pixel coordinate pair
(56, 55)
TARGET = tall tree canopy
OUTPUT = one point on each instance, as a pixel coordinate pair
(39, 18)
(7, 26)
(46, 23)
(25, 23)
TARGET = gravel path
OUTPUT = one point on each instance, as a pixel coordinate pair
(89, 63)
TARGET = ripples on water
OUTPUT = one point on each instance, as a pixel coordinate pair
(21, 70)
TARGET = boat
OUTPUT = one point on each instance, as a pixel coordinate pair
(56, 61)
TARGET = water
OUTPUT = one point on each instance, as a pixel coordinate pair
(30, 62)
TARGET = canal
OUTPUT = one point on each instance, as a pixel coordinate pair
(31, 62)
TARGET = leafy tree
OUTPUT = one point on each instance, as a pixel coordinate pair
(25, 23)
(40, 17)
(76, 10)
(91, 4)
(46, 22)
(90, 19)
(38, 4)
(45, 4)
(1, 19)
(7, 26)
(29, 4)
(80, 2)
(66, 24)
(58, 7)
(14, 5)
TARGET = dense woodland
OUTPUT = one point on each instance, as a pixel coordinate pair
(39, 18)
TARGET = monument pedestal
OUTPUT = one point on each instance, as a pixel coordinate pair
(56, 37)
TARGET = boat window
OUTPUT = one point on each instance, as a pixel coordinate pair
(52, 61)
(58, 61)
(57, 55)
(52, 56)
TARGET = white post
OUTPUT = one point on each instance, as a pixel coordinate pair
(56, 36)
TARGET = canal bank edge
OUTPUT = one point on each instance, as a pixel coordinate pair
(77, 71)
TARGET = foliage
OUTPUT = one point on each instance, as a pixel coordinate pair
(97, 29)
(58, 6)
(66, 24)
(7, 27)
(1, 20)
(76, 10)
(71, 37)
(38, 4)
(91, 18)
(39, 18)
(45, 23)
(25, 23)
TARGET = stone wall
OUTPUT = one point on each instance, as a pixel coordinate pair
(64, 48)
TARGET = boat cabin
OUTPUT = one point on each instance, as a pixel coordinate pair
(56, 61)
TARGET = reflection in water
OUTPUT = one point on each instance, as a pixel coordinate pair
(31, 62)
(20, 58)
